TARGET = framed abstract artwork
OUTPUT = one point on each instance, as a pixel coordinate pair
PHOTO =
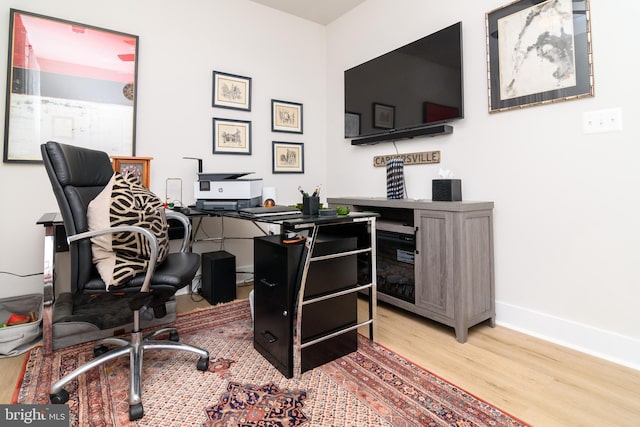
(286, 116)
(288, 157)
(538, 52)
(231, 136)
(231, 91)
(83, 94)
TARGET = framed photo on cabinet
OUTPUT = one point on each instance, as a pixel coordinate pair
(231, 91)
(136, 167)
(286, 116)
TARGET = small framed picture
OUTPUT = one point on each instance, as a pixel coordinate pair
(231, 91)
(134, 167)
(286, 116)
(384, 116)
(351, 124)
(231, 136)
(288, 157)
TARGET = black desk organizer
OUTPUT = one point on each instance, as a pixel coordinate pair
(328, 308)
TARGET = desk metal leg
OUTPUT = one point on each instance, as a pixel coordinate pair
(194, 232)
(373, 269)
(297, 325)
(48, 289)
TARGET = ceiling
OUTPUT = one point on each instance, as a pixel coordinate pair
(320, 11)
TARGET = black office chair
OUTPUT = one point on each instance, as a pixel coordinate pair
(77, 175)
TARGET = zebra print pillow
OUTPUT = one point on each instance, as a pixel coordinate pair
(121, 256)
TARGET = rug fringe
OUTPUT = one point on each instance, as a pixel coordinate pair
(366, 340)
(18, 386)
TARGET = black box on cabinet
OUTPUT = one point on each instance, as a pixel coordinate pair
(218, 277)
(446, 190)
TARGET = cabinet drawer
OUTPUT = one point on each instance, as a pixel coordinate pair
(272, 331)
(331, 275)
(326, 316)
(270, 291)
(276, 269)
(329, 244)
(331, 349)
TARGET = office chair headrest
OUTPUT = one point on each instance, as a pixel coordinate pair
(96, 167)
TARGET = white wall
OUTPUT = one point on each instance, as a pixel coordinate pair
(567, 229)
(181, 43)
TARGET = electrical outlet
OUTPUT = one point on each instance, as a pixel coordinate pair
(602, 121)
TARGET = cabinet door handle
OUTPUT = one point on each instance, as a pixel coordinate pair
(268, 284)
(416, 237)
(269, 337)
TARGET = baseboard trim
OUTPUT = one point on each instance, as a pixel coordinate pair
(607, 345)
(244, 275)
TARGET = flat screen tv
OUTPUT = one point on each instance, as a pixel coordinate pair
(408, 89)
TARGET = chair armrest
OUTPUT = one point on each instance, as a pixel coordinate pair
(186, 223)
(153, 245)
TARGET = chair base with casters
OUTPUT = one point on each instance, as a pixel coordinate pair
(75, 320)
(135, 348)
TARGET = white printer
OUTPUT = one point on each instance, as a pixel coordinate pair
(227, 191)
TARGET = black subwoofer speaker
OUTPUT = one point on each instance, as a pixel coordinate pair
(218, 276)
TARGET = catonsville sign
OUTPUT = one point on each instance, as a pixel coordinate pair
(422, 158)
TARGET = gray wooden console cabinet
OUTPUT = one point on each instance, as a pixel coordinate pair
(453, 264)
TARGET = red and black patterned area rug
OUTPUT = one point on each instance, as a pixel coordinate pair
(371, 387)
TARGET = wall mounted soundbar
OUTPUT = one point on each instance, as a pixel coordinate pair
(394, 135)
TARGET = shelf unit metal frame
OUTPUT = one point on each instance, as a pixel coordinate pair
(308, 259)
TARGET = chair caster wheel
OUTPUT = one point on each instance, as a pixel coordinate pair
(60, 397)
(100, 350)
(136, 412)
(173, 336)
(203, 364)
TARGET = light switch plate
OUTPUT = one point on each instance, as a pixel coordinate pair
(601, 121)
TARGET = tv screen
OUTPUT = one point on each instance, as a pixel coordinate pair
(416, 85)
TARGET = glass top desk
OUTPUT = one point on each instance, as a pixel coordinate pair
(312, 226)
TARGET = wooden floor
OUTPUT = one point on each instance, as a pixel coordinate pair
(536, 381)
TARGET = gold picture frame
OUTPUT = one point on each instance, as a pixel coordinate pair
(538, 52)
(139, 167)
